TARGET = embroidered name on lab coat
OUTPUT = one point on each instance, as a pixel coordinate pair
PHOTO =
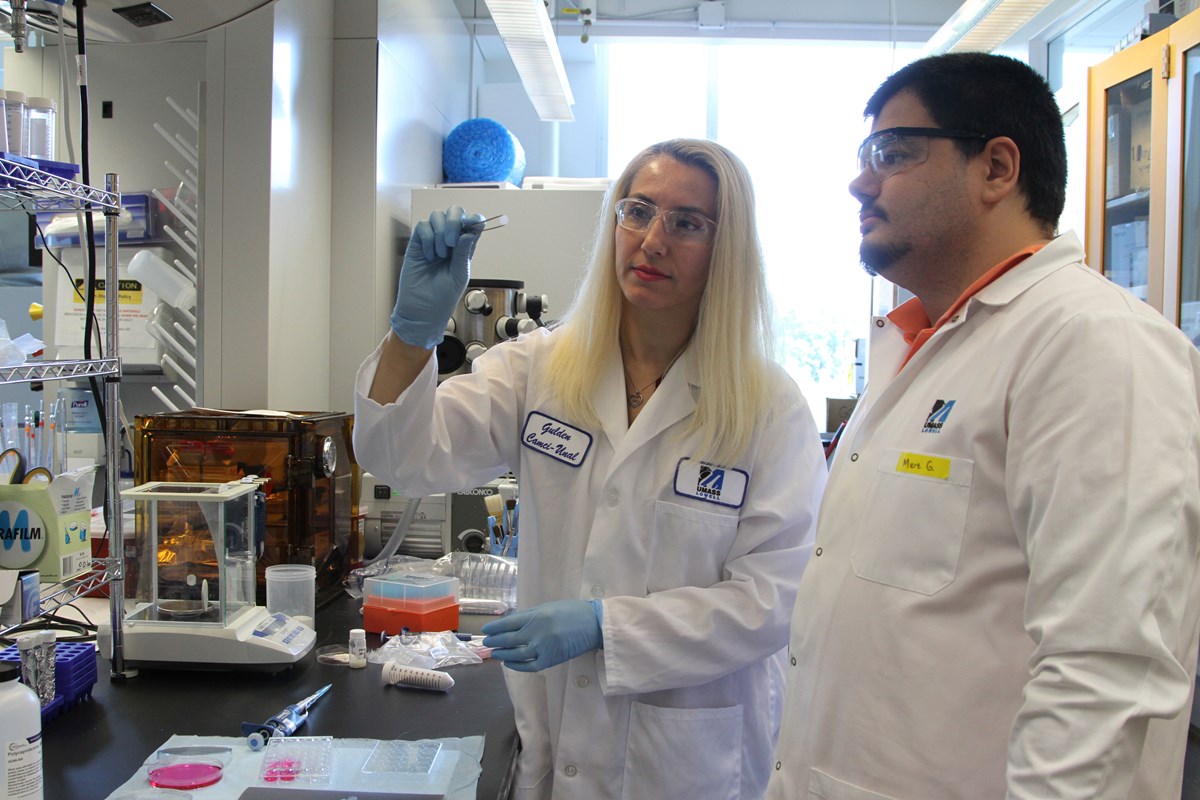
(555, 438)
(724, 486)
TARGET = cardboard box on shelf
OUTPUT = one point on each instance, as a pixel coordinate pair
(45, 526)
(20, 595)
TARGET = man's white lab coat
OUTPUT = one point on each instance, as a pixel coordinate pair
(683, 700)
(1002, 600)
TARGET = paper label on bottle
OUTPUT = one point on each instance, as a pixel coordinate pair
(23, 768)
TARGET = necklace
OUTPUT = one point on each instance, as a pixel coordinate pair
(636, 399)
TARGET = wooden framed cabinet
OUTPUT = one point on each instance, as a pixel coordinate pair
(1143, 181)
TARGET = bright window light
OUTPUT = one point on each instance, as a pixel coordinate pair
(792, 111)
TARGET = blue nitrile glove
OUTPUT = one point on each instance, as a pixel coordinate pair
(434, 273)
(545, 635)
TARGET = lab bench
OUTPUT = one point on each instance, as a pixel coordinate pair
(93, 748)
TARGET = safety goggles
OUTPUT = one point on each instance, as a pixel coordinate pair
(688, 226)
(894, 150)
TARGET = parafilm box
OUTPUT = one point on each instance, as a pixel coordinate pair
(44, 526)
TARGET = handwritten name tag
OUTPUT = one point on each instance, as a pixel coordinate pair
(555, 438)
(929, 466)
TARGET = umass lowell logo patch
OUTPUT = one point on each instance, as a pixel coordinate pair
(938, 416)
(711, 483)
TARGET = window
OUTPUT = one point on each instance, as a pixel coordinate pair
(792, 111)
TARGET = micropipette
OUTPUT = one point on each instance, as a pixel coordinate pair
(285, 723)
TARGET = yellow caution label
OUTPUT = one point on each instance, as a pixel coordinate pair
(129, 292)
(920, 464)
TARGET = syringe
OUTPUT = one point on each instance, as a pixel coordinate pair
(285, 723)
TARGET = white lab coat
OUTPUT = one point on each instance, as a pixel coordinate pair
(683, 700)
(1003, 600)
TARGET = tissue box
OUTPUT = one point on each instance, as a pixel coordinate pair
(45, 526)
(20, 596)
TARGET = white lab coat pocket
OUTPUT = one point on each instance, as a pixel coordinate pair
(914, 519)
(690, 546)
(826, 787)
(683, 753)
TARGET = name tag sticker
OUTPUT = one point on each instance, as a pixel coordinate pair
(929, 466)
(555, 438)
(724, 486)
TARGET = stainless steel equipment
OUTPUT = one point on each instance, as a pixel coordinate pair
(491, 311)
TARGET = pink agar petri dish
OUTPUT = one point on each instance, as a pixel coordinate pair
(186, 775)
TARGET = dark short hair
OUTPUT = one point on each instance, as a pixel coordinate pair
(997, 96)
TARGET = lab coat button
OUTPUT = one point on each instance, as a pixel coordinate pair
(614, 498)
(570, 770)
(778, 765)
(879, 322)
(793, 661)
(819, 551)
(597, 592)
(854, 456)
(582, 681)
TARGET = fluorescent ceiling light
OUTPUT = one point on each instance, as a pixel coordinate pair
(524, 27)
(983, 25)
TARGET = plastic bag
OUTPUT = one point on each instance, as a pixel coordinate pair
(487, 584)
(357, 578)
(425, 650)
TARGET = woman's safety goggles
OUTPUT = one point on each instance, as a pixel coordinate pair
(690, 226)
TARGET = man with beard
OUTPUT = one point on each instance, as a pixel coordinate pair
(1003, 600)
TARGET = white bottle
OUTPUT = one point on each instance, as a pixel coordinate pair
(171, 286)
(16, 118)
(20, 738)
(41, 125)
(357, 649)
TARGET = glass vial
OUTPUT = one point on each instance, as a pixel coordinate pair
(16, 118)
(41, 124)
(31, 661)
(20, 738)
(357, 649)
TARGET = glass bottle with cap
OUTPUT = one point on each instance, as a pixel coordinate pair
(357, 649)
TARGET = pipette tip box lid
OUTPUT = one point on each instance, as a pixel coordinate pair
(417, 601)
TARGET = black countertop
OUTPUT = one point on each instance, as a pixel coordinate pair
(93, 748)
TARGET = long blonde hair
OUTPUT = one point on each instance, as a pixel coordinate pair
(733, 334)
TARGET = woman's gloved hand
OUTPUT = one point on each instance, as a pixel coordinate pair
(545, 635)
(434, 273)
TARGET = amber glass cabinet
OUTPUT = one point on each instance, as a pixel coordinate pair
(1143, 195)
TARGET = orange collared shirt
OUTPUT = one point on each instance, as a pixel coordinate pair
(913, 322)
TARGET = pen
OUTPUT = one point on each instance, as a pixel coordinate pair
(833, 442)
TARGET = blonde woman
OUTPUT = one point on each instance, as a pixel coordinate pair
(669, 472)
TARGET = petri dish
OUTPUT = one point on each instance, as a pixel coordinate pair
(185, 775)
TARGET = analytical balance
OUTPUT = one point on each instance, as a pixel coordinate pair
(194, 581)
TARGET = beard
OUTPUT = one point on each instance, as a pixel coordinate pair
(878, 258)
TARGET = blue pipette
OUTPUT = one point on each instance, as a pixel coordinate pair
(285, 723)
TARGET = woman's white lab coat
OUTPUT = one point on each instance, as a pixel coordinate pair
(697, 574)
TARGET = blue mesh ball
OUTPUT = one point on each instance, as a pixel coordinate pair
(482, 150)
